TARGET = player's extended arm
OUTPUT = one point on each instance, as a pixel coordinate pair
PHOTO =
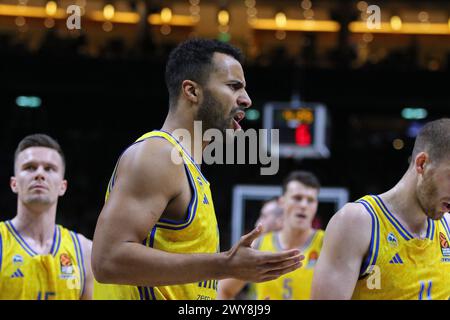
(86, 246)
(346, 242)
(147, 182)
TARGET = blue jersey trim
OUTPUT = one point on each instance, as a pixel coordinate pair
(56, 241)
(141, 295)
(19, 239)
(429, 290)
(186, 152)
(433, 229)
(422, 288)
(372, 254)
(192, 209)
(446, 228)
(397, 225)
(80, 260)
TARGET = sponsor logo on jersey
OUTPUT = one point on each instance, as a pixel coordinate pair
(67, 269)
(445, 248)
(392, 240)
(18, 260)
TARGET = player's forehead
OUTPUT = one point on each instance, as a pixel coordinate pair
(227, 68)
(39, 155)
(296, 187)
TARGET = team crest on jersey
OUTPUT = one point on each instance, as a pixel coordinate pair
(18, 260)
(392, 240)
(445, 248)
(65, 262)
(312, 259)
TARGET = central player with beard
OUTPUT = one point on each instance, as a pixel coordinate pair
(157, 235)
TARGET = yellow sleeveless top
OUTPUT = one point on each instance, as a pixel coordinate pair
(295, 285)
(399, 266)
(24, 274)
(198, 233)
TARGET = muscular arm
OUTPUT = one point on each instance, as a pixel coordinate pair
(147, 182)
(86, 246)
(347, 239)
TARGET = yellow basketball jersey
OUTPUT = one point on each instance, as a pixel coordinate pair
(24, 274)
(295, 285)
(399, 266)
(198, 233)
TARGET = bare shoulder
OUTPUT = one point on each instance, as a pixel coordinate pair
(350, 227)
(352, 217)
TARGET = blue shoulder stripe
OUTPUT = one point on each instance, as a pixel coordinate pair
(372, 254)
(192, 209)
(187, 153)
(80, 261)
(397, 225)
(19, 238)
(445, 225)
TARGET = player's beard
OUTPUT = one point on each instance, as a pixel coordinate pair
(426, 193)
(211, 113)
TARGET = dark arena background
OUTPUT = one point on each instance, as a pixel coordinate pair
(98, 88)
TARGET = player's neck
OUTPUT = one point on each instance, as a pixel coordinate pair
(195, 145)
(36, 226)
(401, 200)
(291, 238)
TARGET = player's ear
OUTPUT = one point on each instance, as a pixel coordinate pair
(13, 184)
(420, 162)
(62, 188)
(191, 90)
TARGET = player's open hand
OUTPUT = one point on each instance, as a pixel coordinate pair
(248, 264)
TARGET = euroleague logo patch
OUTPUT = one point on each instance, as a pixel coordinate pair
(445, 248)
(67, 271)
(312, 259)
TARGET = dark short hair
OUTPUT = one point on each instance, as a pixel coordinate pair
(305, 177)
(39, 140)
(192, 60)
(434, 139)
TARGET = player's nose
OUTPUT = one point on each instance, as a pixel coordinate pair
(244, 100)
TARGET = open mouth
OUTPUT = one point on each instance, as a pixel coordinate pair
(238, 118)
(446, 206)
(301, 215)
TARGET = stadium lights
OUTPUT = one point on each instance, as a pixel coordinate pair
(414, 113)
(405, 28)
(296, 25)
(28, 102)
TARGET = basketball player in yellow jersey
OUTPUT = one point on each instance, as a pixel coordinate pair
(394, 245)
(271, 216)
(299, 202)
(157, 234)
(39, 259)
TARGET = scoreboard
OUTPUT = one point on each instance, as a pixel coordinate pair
(302, 129)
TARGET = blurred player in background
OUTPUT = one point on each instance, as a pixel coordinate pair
(394, 245)
(39, 259)
(157, 235)
(299, 202)
(271, 216)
